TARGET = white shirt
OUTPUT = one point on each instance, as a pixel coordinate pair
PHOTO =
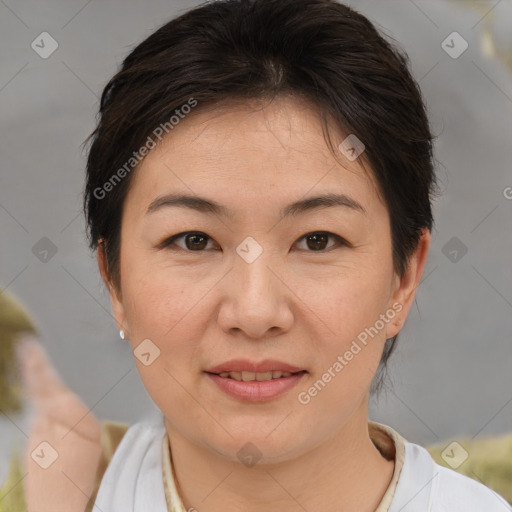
(140, 477)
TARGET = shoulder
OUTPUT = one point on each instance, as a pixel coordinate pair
(428, 486)
(114, 436)
(134, 472)
(459, 492)
(119, 441)
(479, 465)
(423, 484)
(112, 433)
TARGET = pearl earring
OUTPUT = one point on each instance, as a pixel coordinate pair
(121, 333)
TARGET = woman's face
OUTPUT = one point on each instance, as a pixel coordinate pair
(252, 287)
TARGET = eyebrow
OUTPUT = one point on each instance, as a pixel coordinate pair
(204, 205)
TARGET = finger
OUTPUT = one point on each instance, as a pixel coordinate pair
(60, 469)
(38, 375)
(51, 398)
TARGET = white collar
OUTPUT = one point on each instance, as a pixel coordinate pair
(133, 481)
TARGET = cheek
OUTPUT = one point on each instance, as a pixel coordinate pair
(155, 299)
(351, 334)
(170, 311)
(165, 313)
(349, 302)
(169, 316)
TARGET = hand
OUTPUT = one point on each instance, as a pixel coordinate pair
(68, 431)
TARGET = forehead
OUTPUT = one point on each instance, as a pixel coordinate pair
(250, 152)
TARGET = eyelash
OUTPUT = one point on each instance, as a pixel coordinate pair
(169, 242)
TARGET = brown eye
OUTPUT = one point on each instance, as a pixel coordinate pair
(194, 242)
(197, 241)
(318, 240)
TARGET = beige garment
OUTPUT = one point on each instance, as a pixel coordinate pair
(389, 443)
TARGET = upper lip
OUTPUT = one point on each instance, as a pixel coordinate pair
(241, 365)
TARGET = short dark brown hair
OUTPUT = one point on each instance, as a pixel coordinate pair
(318, 50)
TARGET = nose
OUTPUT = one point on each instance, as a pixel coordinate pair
(256, 300)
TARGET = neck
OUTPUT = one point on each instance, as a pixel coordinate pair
(346, 469)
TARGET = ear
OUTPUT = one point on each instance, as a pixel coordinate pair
(404, 287)
(115, 297)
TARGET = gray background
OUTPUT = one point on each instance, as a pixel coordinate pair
(451, 374)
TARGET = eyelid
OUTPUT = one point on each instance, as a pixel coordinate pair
(341, 241)
(166, 243)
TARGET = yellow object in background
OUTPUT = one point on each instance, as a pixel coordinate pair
(12, 495)
(488, 461)
(494, 27)
(14, 321)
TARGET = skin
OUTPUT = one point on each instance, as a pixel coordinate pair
(205, 306)
(60, 478)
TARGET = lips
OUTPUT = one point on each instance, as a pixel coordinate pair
(255, 376)
(254, 390)
(252, 381)
(244, 365)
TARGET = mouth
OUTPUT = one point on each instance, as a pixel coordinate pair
(255, 382)
(248, 367)
(246, 376)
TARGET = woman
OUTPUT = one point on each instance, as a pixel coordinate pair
(259, 194)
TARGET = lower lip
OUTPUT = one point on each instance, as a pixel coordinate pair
(256, 391)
